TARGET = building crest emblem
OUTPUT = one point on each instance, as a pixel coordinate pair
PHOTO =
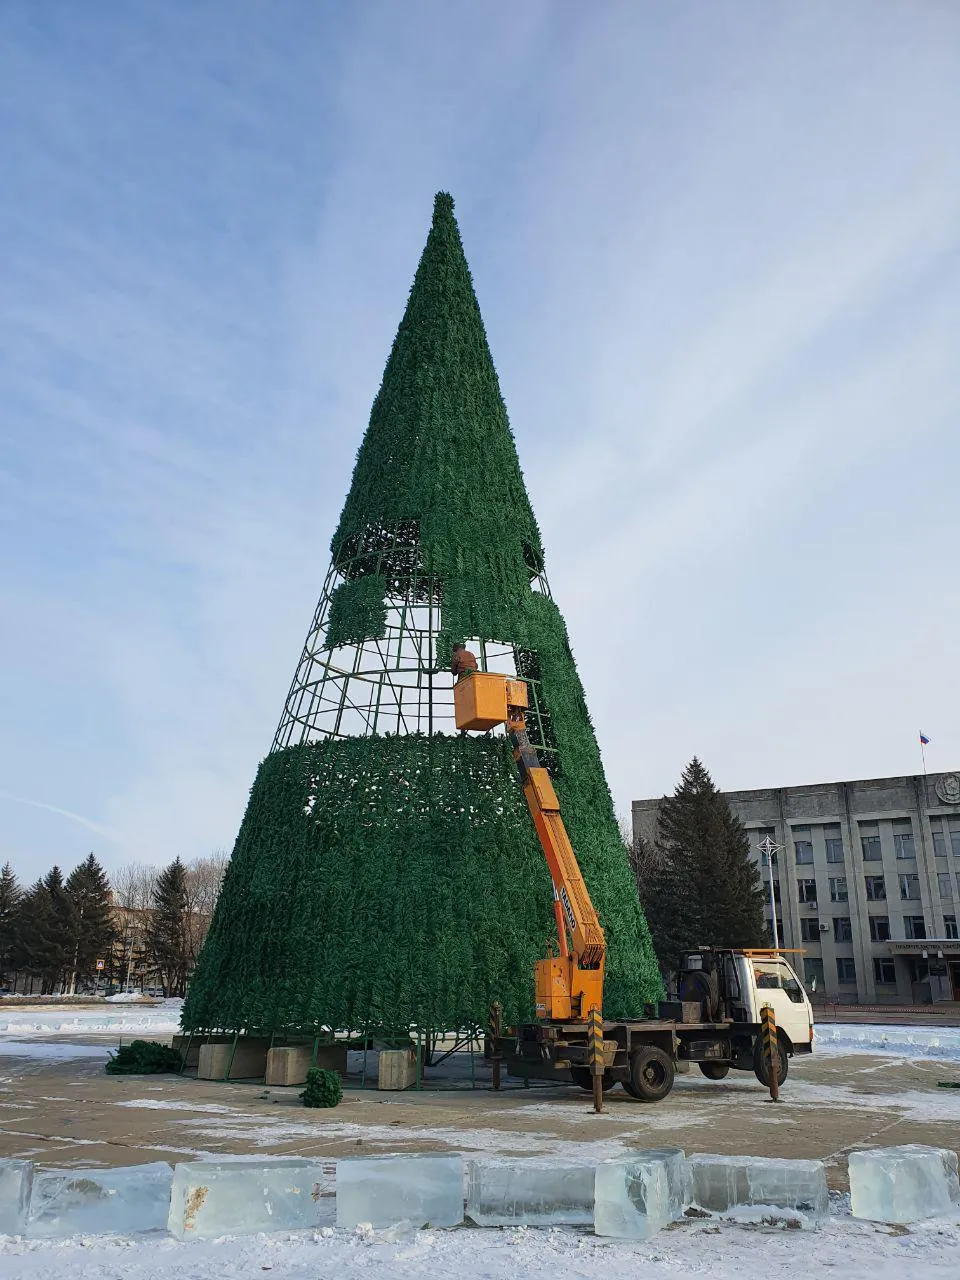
(948, 788)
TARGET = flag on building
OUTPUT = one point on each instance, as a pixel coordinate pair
(925, 741)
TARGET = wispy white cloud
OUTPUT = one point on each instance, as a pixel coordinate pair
(96, 827)
(716, 251)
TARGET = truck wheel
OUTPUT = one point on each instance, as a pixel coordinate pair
(714, 1070)
(583, 1076)
(651, 1075)
(761, 1064)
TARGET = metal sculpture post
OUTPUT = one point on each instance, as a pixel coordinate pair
(770, 849)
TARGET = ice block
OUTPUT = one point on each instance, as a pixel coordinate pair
(903, 1184)
(384, 1190)
(243, 1197)
(530, 1193)
(758, 1188)
(16, 1178)
(118, 1202)
(635, 1196)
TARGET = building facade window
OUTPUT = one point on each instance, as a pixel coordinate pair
(910, 887)
(812, 972)
(903, 838)
(876, 888)
(950, 927)
(939, 837)
(953, 826)
(945, 883)
(803, 850)
(880, 928)
(834, 842)
(846, 970)
(885, 971)
(838, 888)
(915, 927)
(842, 929)
(870, 842)
(809, 929)
(807, 891)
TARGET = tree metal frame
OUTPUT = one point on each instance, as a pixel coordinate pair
(398, 682)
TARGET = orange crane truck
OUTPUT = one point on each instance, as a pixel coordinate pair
(715, 1021)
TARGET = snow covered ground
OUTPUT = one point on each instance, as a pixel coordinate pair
(106, 1019)
(852, 1250)
(894, 1042)
(164, 1019)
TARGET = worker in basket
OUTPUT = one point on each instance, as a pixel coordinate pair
(464, 662)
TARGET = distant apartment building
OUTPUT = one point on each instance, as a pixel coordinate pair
(866, 881)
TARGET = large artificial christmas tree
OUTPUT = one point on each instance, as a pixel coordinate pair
(387, 872)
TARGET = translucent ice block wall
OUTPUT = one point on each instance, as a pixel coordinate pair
(903, 1184)
(638, 1195)
(754, 1188)
(119, 1202)
(211, 1199)
(386, 1190)
(530, 1193)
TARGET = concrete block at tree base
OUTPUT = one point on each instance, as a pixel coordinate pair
(397, 1069)
(289, 1064)
(332, 1057)
(16, 1179)
(189, 1046)
(249, 1059)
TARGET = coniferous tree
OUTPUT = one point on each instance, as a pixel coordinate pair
(168, 932)
(61, 932)
(10, 898)
(92, 919)
(702, 888)
(35, 937)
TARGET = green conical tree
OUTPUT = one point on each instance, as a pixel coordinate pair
(10, 898)
(39, 947)
(63, 925)
(700, 886)
(387, 873)
(168, 938)
(94, 931)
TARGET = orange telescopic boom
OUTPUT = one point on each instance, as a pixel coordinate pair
(568, 985)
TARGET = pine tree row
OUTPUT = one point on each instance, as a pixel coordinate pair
(82, 933)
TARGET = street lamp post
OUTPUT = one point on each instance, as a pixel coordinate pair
(769, 850)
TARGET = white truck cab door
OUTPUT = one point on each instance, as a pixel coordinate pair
(778, 986)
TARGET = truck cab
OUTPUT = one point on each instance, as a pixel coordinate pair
(732, 986)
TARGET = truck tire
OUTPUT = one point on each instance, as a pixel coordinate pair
(714, 1070)
(583, 1076)
(651, 1075)
(702, 988)
(761, 1065)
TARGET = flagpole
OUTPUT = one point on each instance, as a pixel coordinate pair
(923, 756)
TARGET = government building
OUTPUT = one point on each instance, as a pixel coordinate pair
(866, 882)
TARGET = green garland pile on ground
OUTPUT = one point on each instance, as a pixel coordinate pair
(144, 1058)
(390, 881)
(323, 1089)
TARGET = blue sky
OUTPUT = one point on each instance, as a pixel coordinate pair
(717, 249)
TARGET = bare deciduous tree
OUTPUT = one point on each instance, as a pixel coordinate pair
(204, 878)
(132, 887)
